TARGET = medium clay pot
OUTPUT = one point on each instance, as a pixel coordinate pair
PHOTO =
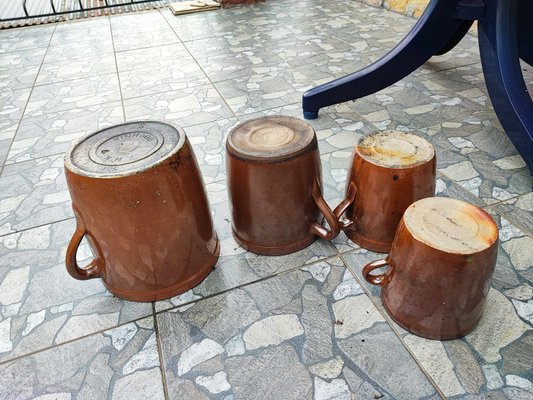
(275, 186)
(389, 171)
(439, 269)
(140, 201)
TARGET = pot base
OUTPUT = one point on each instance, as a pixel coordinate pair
(276, 250)
(426, 334)
(369, 244)
(170, 291)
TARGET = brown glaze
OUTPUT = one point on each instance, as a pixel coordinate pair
(430, 289)
(379, 191)
(275, 186)
(144, 212)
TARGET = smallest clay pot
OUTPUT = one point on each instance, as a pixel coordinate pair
(389, 171)
(439, 269)
(275, 186)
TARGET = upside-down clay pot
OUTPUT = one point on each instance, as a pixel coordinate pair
(389, 171)
(440, 268)
(275, 186)
(140, 202)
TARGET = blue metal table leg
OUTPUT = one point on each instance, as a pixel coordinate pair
(434, 30)
(498, 44)
(310, 114)
(456, 38)
(525, 31)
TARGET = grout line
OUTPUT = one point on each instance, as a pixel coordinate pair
(27, 102)
(447, 69)
(500, 202)
(491, 209)
(69, 108)
(117, 71)
(149, 47)
(243, 285)
(154, 313)
(467, 193)
(76, 339)
(199, 66)
(81, 78)
(160, 353)
(36, 226)
(391, 324)
(184, 127)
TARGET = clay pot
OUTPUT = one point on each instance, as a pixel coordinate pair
(389, 171)
(275, 186)
(140, 201)
(439, 269)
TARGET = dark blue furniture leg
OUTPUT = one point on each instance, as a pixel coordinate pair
(435, 29)
(525, 31)
(456, 38)
(498, 44)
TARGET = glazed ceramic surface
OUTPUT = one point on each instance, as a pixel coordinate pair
(275, 186)
(439, 269)
(389, 171)
(140, 201)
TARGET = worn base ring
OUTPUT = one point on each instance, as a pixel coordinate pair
(274, 250)
(429, 334)
(170, 291)
(369, 244)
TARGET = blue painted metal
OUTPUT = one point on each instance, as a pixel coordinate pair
(310, 115)
(470, 10)
(456, 38)
(525, 31)
(432, 32)
(505, 35)
(498, 45)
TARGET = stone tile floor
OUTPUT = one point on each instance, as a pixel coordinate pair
(294, 327)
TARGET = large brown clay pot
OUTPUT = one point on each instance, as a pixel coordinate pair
(389, 171)
(140, 201)
(439, 269)
(275, 186)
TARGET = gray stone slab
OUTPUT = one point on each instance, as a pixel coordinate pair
(41, 305)
(91, 368)
(241, 343)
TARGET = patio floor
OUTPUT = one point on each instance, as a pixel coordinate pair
(293, 327)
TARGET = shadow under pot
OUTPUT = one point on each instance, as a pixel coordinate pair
(275, 186)
(389, 171)
(140, 202)
(440, 268)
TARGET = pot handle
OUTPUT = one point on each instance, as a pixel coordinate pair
(95, 269)
(316, 228)
(343, 206)
(381, 279)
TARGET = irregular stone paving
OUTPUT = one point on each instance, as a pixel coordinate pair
(310, 330)
(299, 326)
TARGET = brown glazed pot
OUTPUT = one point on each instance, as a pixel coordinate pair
(439, 269)
(275, 186)
(386, 177)
(140, 201)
